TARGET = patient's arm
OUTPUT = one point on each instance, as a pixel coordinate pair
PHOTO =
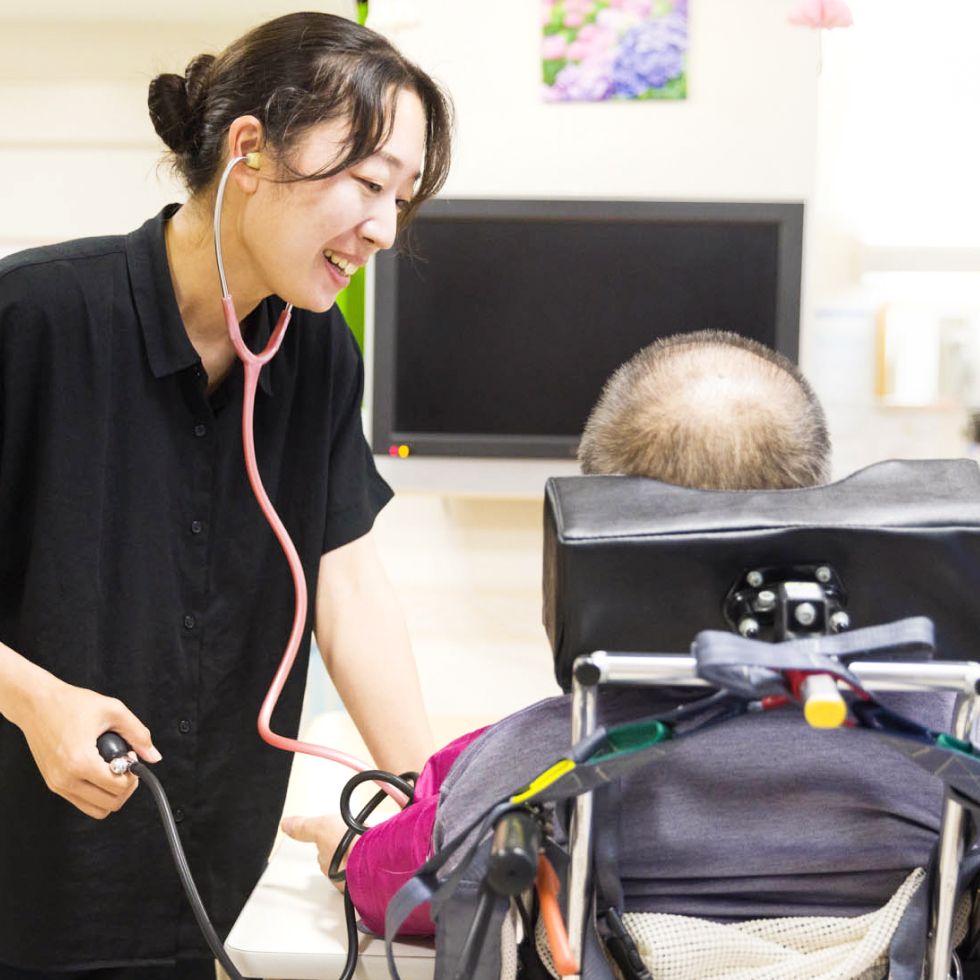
(325, 831)
(387, 856)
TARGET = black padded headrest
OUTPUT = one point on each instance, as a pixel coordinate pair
(631, 564)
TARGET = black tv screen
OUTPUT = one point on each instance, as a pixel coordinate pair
(499, 322)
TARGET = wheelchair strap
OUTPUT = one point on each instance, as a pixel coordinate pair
(950, 759)
(753, 668)
(607, 806)
(424, 886)
(608, 885)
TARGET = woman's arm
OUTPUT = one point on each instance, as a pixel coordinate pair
(363, 639)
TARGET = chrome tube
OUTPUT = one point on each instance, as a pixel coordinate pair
(950, 855)
(662, 668)
(584, 699)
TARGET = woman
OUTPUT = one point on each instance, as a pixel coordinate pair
(140, 588)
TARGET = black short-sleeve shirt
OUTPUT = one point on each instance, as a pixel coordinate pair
(135, 561)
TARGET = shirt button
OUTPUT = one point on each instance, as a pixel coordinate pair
(184, 726)
(196, 527)
(179, 814)
(200, 429)
(189, 622)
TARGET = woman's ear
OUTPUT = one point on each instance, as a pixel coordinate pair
(245, 140)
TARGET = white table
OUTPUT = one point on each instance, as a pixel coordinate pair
(293, 927)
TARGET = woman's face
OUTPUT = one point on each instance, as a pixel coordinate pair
(305, 239)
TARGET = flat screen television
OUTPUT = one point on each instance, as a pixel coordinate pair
(496, 327)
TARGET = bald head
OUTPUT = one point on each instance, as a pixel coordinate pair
(710, 409)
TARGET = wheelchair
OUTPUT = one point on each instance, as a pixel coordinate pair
(811, 602)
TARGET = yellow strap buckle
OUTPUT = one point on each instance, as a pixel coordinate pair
(543, 781)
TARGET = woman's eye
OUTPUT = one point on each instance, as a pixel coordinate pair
(371, 185)
(402, 204)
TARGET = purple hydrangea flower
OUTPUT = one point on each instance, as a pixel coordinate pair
(586, 81)
(649, 55)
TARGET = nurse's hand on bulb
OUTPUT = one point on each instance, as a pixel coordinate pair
(62, 726)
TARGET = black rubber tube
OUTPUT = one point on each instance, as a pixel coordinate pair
(183, 869)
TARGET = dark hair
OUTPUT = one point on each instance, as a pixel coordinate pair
(293, 73)
(710, 409)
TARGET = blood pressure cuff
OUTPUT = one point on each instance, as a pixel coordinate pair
(635, 565)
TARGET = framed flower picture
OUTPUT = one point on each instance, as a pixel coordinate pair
(602, 50)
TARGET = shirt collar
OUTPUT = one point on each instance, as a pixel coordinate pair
(168, 347)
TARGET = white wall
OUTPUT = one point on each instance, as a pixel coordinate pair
(77, 149)
(895, 191)
(747, 130)
(74, 128)
(774, 112)
(79, 157)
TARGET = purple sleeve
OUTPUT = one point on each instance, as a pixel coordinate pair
(384, 858)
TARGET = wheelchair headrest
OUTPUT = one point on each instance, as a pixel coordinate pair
(633, 565)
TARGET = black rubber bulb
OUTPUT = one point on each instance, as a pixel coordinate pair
(112, 746)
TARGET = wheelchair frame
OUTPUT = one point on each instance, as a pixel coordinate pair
(602, 667)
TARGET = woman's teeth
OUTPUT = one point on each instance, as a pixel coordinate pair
(347, 268)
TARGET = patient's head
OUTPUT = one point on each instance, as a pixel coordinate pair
(710, 409)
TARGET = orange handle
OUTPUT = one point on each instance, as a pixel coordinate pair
(548, 889)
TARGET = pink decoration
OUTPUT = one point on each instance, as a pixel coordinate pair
(821, 13)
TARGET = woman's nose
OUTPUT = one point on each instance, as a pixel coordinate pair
(382, 225)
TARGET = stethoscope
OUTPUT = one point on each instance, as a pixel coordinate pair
(114, 749)
(253, 364)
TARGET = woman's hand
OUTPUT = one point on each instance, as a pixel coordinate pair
(61, 724)
(325, 832)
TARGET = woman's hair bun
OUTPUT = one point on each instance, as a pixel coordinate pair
(173, 102)
(196, 76)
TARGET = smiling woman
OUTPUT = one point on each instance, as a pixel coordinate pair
(342, 124)
(140, 588)
(295, 72)
(303, 239)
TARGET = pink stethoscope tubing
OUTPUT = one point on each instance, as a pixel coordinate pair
(253, 364)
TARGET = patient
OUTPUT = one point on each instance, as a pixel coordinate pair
(724, 827)
(713, 410)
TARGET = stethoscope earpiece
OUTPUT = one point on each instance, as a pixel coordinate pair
(252, 361)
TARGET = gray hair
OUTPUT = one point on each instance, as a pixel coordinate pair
(710, 409)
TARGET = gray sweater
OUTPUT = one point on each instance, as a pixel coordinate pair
(760, 816)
